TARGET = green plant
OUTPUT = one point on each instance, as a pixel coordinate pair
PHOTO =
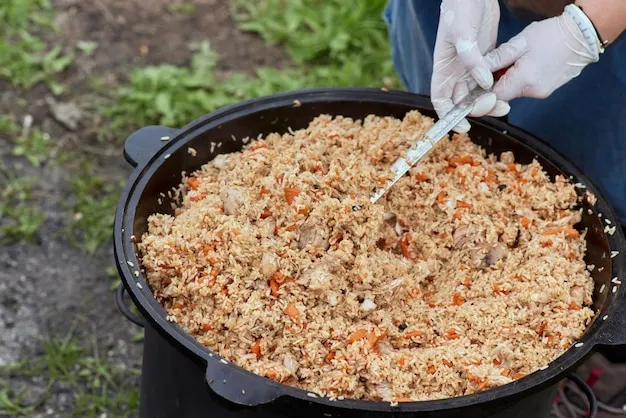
(35, 147)
(184, 8)
(93, 211)
(19, 218)
(99, 387)
(87, 47)
(24, 60)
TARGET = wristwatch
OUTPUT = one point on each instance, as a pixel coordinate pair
(588, 29)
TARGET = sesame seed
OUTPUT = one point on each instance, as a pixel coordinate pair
(210, 354)
(614, 289)
(505, 132)
(393, 404)
(589, 211)
(605, 317)
(243, 391)
(602, 288)
(136, 273)
(311, 395)
(607, 221)
(600, 269)
(139, 285)
(580, 186)
(296, 103)
(130, 263)
(167, 156)
(614, 254)
(223, 361)
(224, 381)
(160, 201)
(219, 144)
(578, 345)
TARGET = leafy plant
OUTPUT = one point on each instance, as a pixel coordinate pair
(19, 218)
(99, 387)
(35, 147)
(93, 212)
(24, 60)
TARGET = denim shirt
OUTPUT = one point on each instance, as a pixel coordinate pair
(585, 119)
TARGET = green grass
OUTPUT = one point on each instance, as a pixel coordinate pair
(24, 57)
(99, 387)
(331, 43)
(19, 218)
(93, 211)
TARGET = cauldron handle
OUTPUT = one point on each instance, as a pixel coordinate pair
(142, 144)
(239, 386)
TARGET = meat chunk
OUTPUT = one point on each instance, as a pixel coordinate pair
(269, 264)
(232, 199)
(495, 254)
(461, 236)
(315, 235)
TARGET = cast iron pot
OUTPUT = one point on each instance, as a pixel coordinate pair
(182, 378)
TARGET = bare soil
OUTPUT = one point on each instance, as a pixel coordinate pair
(49, 286)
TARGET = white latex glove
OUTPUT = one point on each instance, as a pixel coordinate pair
(468, 29)
(545, 55)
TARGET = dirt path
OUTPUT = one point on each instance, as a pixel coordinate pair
(48, 286)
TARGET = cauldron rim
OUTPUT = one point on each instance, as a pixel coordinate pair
(147, 165)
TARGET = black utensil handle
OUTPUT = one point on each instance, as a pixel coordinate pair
(240, 386)
(591, 396)
(142, 144)
(124, 309)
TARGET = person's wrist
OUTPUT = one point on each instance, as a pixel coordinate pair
(607, 16)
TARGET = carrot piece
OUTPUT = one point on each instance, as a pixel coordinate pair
(264, 191)
(463, 205)
(567, 230)
(511, 167)
(280, 178)
(291, 311)
(483, 384)
(414, 333)
(490, 177)
(547, 243)
(214, 273)
(431, 369)
(421, 177)
(255, 348)
(179, 305)
(290, 194)
(518, 375)
(447, 362)
(441, 197)
(359, 334)
(458, 300)
(498, 360)
(574, 306)
(278, 276)
(458, 214)
(505, 372)
(266, 214)
(304, 211)
(274, 286)
(207, 327)
(235, 231)
(401, 399)
(258, 144)
(224, 291)
(461, 160)
(562, 214)
(329, 356)
(525, 222)
(451, 334)
(220, 234)
(467, 282)
(542, 328)
(193, 183)
(373, 338)
(404, 246)
(449, 170)
(402, 361)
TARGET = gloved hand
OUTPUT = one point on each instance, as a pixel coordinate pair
(467, 31)
(545, 55)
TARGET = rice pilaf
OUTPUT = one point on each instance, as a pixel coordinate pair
(467, 275)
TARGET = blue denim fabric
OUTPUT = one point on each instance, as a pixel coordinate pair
(585, 119)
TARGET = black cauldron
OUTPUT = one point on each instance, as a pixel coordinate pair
(182, 378)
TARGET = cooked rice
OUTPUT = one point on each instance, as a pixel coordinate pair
(465, 276)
